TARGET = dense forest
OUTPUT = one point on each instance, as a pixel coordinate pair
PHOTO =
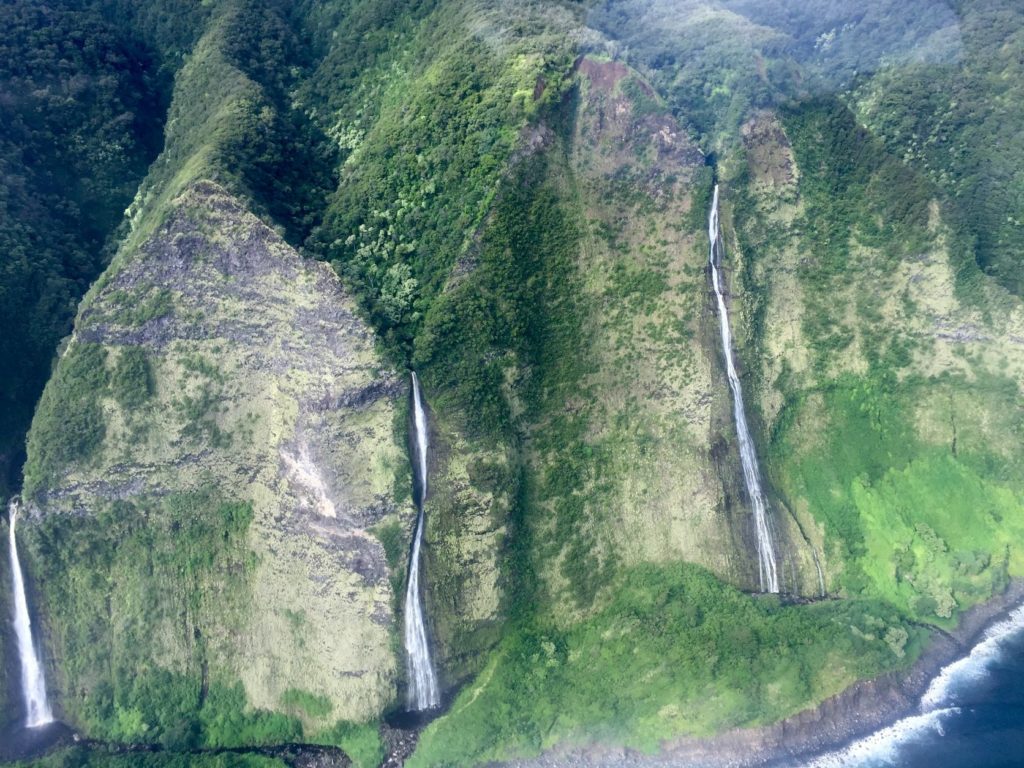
(230, 228)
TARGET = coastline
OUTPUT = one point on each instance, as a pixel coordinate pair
(860, 710)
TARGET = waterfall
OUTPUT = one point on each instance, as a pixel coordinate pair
(423, 691)
(33, 685)
(769, 577)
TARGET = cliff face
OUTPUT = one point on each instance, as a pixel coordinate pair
(10, 695)
(217, 483)
(879, 368)
(661, 397)
(241, 457)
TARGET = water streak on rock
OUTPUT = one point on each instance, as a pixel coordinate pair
(423, 689)
(33, 683)
(767, 567)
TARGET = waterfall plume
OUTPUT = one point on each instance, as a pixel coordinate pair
(33, 683)
(767, 566)
(423, 688)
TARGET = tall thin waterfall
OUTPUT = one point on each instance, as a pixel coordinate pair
(33, 684)
(748, 458)
(423, 690)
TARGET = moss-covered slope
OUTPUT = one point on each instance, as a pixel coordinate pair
(887, 366)
(217, 470)
(205, 474)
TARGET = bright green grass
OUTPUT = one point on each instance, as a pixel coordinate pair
(926, 530)
(938, 535)
(677, 652)
(361, 742)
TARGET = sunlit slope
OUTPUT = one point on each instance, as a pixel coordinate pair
(889, 366)
(622, 635)
(208, 520)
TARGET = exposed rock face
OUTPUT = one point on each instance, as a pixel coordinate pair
(266, 387)
(950, 362)
(679, 491)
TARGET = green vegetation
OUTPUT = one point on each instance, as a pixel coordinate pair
(424, 164)
(306, 703)
(85, 757)
(83, 116)
(361, 742)
(716, 61)
(676, 652)
(929, 531)
(913, 487)
(428, 151)
(520, 308)
(132, 379)
(113, 600)
(69, 423)
(956, 121)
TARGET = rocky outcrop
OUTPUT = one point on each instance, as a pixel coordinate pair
(255, 383)
(643, 182)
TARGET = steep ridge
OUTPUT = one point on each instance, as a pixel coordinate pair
(768, 566)
(529, 235)
(242, 452)
(605, 607)
(230, 121)
(881, 374)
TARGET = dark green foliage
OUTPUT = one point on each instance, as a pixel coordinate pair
(82, 118)
(132, 379)
(287, 165)
(675, 652)
(959, 123)
(520, 310)
(69, 423)
(422, 178)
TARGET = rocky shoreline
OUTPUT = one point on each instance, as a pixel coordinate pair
(856, 712)
(860, 710)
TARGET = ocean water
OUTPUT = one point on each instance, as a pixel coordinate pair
(972, 715)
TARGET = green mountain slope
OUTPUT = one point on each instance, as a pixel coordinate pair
(511, 198)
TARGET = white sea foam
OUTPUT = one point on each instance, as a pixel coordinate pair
(973, 667)
(883, 747)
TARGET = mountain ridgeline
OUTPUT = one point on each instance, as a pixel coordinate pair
(715, 305)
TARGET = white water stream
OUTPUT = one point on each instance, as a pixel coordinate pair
(423, 690)
(33, 684)
(767, 566)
